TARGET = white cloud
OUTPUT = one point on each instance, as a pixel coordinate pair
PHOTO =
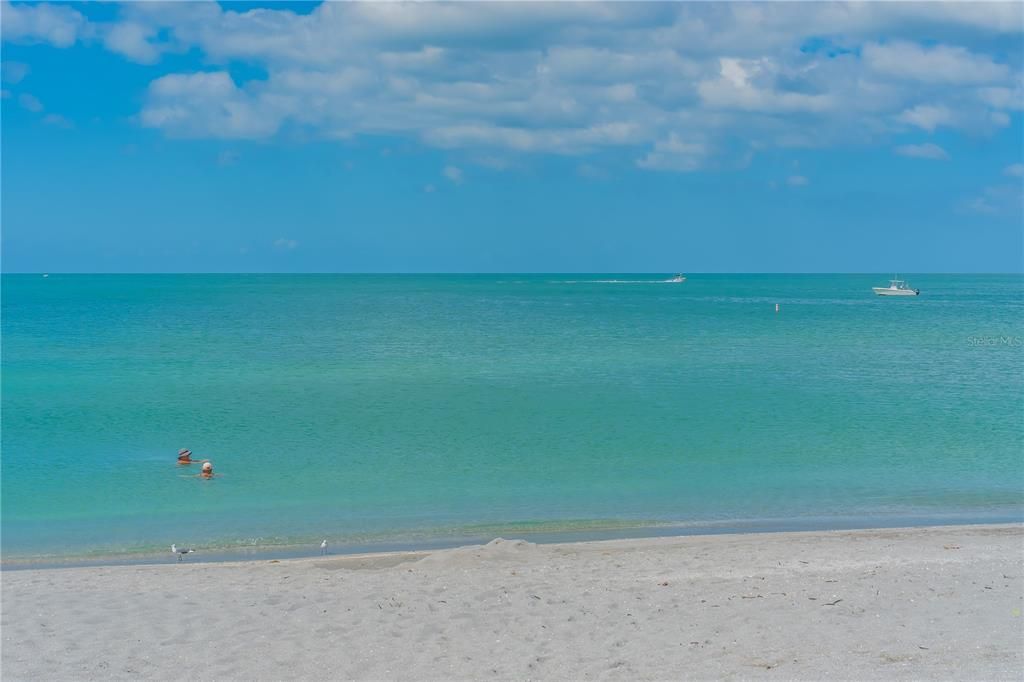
(132, 40)
(532, 77)
(1003, 97)
(682, 81)
(556, 141)
(208, 104)
(750, 85)
(1014, 170)
(999, 17)
(927, 116)
(797, 181)
(30, 102)
(928, 150)
(454, 174)
(283, 244)
(938, 64)
(674, 154)
(58, 25)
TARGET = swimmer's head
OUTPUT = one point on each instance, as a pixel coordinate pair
(207, 466)
(184, 452)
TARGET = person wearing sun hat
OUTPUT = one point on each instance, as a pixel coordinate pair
(185, 457)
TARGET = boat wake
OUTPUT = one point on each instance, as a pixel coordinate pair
(613, 281)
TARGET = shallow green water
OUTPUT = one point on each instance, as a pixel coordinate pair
(413, 407)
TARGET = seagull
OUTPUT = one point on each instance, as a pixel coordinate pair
(323, 547)
(182, 551)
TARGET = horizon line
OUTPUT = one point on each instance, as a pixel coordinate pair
(499, 272)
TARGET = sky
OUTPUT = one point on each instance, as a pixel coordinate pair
(512, 137)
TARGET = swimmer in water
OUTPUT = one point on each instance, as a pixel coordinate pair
(185, 457)
(207, 471)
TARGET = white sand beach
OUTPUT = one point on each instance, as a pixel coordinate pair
(937, 603)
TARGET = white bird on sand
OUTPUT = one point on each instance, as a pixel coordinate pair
(181, 551)
(323, 547)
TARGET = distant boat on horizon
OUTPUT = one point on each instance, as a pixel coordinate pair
(678, 277)
(897, 287)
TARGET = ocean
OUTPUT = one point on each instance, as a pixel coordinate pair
(404, 410)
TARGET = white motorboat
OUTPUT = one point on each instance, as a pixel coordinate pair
(897, 287)
(676, 278)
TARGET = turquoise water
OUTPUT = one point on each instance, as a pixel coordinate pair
(413, 408)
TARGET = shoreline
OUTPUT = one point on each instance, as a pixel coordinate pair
(587, 533)
(921, 603)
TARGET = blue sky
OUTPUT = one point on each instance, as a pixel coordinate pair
(528, 137)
